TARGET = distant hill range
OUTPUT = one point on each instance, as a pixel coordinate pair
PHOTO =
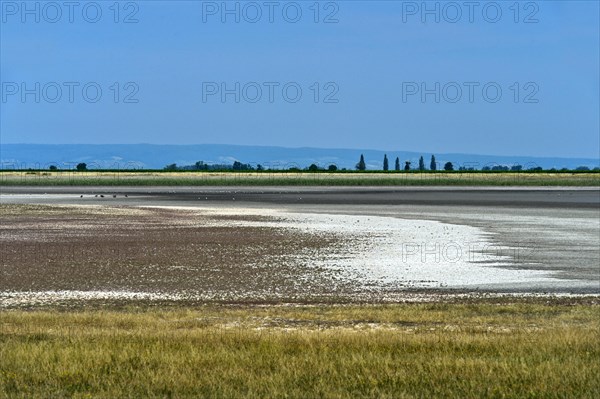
(150, 156)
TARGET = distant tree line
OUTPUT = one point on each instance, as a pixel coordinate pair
(200, 165)
(361, 165)
(449, 166)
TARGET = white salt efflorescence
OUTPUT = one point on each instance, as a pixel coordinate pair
(375, 252)
(404, 252)
(15, 299)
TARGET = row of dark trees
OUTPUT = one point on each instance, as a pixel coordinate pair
(361, 165)
(448, 166)
(200, 165)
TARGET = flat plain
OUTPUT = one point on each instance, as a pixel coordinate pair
(284, 178)
(299, 291)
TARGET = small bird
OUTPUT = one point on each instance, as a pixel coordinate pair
(125, 195)
(114, 195)
(81, 196)
(101, 195)
(96, 196)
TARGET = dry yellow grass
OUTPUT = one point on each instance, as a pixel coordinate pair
(149, 178)
(426, 350)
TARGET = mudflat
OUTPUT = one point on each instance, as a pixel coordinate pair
(557, 197)
(305, 245)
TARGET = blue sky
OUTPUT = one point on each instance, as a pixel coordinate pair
(369, 70)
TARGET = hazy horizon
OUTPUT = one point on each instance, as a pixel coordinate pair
(153, 156)
(339, 148)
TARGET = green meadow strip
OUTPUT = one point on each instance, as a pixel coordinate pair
(102, 178)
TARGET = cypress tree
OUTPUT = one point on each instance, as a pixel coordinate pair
(421, 164)
(361, 165)
(433, 165)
